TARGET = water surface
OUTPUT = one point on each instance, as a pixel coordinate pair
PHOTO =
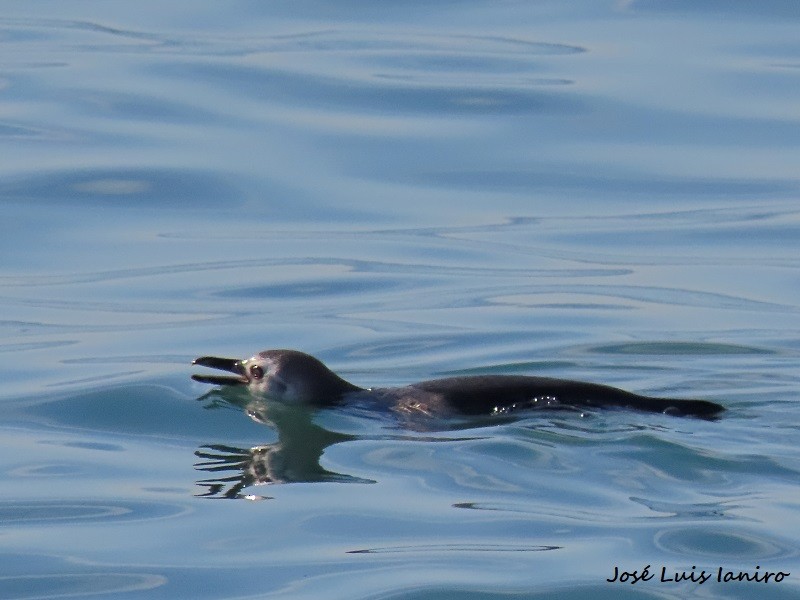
(604, 191)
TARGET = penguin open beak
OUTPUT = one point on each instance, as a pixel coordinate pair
(232, 365)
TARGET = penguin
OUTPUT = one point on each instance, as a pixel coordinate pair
(294, 377)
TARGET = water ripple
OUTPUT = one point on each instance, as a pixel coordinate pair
(711, 543)
(156, 188)
(417, 549)
(49, 512)
(76, 585)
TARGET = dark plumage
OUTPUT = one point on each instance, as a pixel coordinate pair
(298, 378)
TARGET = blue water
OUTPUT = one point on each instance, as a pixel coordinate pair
(605, 191)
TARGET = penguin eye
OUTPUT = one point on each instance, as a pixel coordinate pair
(256, 372)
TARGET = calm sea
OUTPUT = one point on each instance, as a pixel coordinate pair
(596, 190)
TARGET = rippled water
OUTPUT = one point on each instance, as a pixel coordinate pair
(604, 191)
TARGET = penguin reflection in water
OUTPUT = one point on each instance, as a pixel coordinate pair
(294, 457)
(294, 383)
